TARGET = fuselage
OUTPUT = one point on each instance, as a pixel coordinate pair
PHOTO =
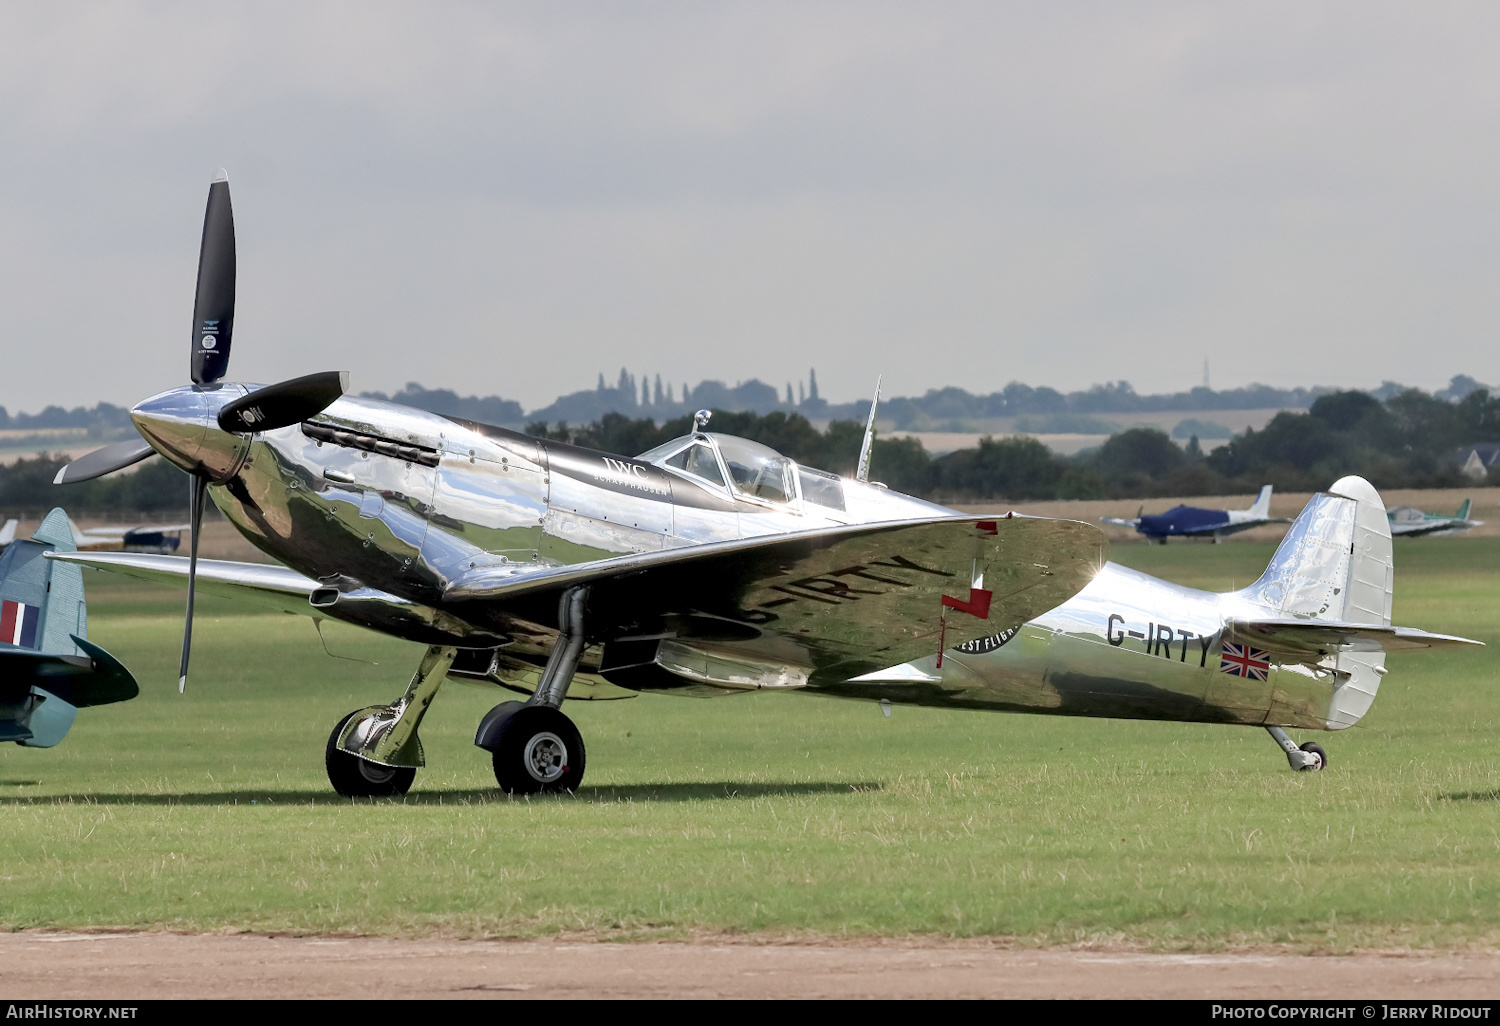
(1130, 646)
(387, 506)
(1196, 522)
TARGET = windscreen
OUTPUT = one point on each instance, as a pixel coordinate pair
(756, 470)
(699, 460)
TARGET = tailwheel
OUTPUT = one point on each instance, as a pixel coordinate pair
(1320, 757)
(535, 749)
(353, 777)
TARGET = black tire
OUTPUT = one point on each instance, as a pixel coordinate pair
(353, 777)
(1315, 749)
(538, 751)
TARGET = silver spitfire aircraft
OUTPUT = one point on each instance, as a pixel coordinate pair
(714, 566)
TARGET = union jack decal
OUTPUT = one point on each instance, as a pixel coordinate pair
(1244, 661)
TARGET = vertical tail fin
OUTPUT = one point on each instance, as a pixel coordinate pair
(41, 609)
(1262, 505)
(8, 532)
(1336, 564)
(1463, 511)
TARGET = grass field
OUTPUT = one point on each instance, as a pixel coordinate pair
(781, 813)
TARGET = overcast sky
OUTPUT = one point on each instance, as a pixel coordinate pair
(509, 198)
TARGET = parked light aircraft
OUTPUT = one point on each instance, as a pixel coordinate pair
(1410, 522)
(714, 566)
(1193, 522)
(162, 538)
(48, 668)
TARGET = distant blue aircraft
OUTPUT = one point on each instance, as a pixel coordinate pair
(48, 669)
(1193, 522)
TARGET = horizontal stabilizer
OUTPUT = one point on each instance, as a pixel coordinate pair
(94, 678)
(1313, 639)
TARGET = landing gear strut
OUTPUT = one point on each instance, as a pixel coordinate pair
(375, 752)
(1307, 757)
(535, 748)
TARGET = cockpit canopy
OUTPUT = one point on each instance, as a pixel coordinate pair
(753, 470)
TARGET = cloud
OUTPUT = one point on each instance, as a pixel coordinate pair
(511, 198)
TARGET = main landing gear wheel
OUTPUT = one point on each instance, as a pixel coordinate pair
(1314, 749)
(538, 751)
(353, 777)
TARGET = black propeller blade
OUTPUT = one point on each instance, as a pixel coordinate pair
(213, 309)
(104, 461)
(198, 496)
(285, 403)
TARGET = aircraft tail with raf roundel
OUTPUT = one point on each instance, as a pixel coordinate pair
(48, 668)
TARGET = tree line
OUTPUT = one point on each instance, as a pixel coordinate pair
(1410, 440)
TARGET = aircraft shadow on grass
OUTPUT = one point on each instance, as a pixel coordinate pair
(1471, 796)
(685, 792)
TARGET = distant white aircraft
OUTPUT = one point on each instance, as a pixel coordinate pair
(163, 539)
(1410, 522)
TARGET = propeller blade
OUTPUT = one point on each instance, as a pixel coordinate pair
(104, 461)
(199, 494)
(213, 309)
(284, 403)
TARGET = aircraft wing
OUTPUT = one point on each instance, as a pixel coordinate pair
(1235, 527)
(272, 587)
(1309, 640)
(1421, 528)
(117, 533)
(839, 602)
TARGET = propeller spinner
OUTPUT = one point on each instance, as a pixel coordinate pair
(202, 428)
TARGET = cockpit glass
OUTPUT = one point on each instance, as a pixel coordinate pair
(756, 470)
(699, 460)
(664, 449)
(821, 488)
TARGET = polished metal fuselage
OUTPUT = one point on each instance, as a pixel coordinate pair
(1128, 646)
(387, 506)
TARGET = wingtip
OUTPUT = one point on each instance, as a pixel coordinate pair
(220, 175)
(61, 473)
(181, 685)
(344, 381)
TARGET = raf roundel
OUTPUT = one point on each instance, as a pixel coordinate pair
(208, 342)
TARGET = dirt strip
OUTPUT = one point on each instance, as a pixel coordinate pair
(157, 965)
